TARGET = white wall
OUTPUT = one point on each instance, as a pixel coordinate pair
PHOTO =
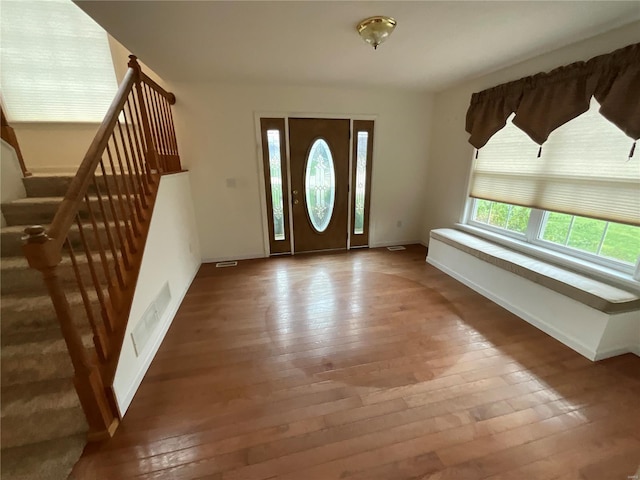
(54, 147)
(451, 154)
(11, 186)
(172, 239)
(217, 141)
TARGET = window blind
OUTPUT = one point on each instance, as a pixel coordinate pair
(584, 169)
(56, 63)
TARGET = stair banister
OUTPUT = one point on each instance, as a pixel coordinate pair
(112, 195)
(79, 185)
(9, 135)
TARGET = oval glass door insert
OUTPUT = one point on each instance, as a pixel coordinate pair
(320, 185)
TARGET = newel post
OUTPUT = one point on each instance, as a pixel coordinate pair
(152, 153)
(44, 254)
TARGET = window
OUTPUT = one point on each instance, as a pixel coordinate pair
(56, 63)
(584, 169)
(362, 139)
(275, 176)
(362, 150)
(608, 243)
(276, 183)
(580, 191)
(607, 240)
(581, 196)
(511, 218)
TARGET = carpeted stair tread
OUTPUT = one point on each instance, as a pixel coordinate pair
(37, 361)
(40, 342)
(50, 460)
(22, 399)
(22, 314)
(40, 411)
(19, 278)
(39, 210)
(43, 426)
(20, 262)
(37, 305)
(11, 243)
(47, 185)
(36, 337)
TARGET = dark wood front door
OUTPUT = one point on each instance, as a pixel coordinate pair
(319, 183)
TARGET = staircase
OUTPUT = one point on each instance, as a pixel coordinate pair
(84, 241)
(43, 426)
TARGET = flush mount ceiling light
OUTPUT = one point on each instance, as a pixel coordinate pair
(375, 30)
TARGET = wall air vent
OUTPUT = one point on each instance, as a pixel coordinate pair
(142, 331)
(145, 328)
(163, 299)
(395, 248)
(227, 264)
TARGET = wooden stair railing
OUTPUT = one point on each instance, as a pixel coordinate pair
(101, 227)
(9, 135)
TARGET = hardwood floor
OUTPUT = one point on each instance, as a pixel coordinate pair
(367, 365)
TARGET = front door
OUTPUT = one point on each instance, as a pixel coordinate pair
(319, 150)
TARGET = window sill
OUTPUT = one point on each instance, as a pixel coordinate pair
(599, 272)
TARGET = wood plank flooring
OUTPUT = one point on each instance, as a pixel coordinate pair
(361, 366)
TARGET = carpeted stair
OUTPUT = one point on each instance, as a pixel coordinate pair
(43, 426)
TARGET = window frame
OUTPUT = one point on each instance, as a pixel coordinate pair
(575, 258)
(473, 207)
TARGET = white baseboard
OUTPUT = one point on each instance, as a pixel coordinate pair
(250, 256)
(614, 352)
(525, 315)
(391, 244)
(125, 402)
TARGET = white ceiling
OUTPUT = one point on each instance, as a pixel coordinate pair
(315, 43)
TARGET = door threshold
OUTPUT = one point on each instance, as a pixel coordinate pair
(328, 250)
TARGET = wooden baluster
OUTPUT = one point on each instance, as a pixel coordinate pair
(152, 154)
(121, 181)
(175, 158)
(133, 197)
(127, 229)
(138, 161)
(44, 255)
(154, 127)
(96, 233)
(145, 162)
(162, 127)
(172, 131)
(114, 251)
(107, 316)
(137, 181)
(162, 123)
(123, 245)
(99, 333)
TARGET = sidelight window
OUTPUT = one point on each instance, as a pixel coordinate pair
(275, 171)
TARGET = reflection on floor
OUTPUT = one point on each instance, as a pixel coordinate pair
(367, 365)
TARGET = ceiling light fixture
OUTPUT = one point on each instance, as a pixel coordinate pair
(375, 30)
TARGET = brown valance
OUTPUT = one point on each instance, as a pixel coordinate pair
(545, 101)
